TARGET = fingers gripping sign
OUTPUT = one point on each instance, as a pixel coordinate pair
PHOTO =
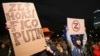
(8, 25)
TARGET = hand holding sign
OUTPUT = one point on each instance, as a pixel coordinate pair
(47, 48)
(8, 25)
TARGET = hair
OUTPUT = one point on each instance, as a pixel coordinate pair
(79, 46)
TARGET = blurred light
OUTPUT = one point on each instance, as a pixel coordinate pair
(57, 35)
(96, 34)
(90, 35)
(62, 35)
(96, 11)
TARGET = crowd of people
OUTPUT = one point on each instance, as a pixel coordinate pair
(58, 47)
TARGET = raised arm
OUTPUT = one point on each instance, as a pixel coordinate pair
(69, 38)
(84, 39)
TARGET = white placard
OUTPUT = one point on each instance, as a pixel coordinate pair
(75, 26)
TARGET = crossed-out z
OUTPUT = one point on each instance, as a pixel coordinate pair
(76, 25)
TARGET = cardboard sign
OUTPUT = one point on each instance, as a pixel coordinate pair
(75, 26)
(26, 33)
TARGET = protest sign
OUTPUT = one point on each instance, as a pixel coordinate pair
(26, 33)
(75, 26)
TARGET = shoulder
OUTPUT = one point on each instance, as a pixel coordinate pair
(74, 48)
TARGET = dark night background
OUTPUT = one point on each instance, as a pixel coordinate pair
(53, 13)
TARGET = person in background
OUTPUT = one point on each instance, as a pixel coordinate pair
(77, 47)
(4, 49)
(47, 35)
(51, 49)
(60, 49)
(88, 49)
(65, 48)
(96, 49)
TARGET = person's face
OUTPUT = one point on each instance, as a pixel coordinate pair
(58, 45)
(47, 37)
(78, 42)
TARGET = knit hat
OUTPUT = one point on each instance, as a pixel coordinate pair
(75, 37)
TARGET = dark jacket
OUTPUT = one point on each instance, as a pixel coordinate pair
(3, 52)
